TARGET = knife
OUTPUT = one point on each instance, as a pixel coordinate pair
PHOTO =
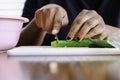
(56, 38)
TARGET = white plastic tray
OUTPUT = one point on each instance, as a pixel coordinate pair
(49, 51)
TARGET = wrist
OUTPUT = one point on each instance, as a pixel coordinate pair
(36, 27)
(111, 29)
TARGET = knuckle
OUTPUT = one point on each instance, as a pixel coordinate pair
(48, 10)
(93, 11)
(88, 23)
(57, 8)
(95, 21)
(99, 17)
(84, 10)
(78, 21)
(95, 31)
(38, 12)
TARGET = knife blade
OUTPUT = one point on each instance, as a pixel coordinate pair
(56, 38)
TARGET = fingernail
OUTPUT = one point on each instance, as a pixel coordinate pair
(68, 38)
(54, 31)
(78, 38)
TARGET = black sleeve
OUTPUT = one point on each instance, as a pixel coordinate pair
(30, 7)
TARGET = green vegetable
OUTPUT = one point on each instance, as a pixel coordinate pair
(101, 43)
(83, 43)
(63, 43)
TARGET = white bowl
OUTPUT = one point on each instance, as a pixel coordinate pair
(10, 29)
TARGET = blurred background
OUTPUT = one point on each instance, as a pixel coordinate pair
(11, 7)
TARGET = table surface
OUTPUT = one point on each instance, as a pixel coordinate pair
(105, 67)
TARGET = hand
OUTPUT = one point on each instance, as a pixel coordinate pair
(51, 18)
(88, 24)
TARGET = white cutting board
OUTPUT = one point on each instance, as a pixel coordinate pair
(50, 51)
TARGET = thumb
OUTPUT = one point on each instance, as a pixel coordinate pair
(58, 24)
(60, 20)
(56, 28)
(65, 20)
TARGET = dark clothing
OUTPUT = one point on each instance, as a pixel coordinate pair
(108, 9)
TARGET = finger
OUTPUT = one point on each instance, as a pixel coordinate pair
(57, 24)
(78, 23)
(95, 31)
(75, 25)
(101, 36)
(82, 13)
(43, 19)
(65, 20)
(50, 13)
(38, 18)
(88, 25)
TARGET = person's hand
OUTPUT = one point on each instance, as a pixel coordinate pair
(88, 24)
(51, 18)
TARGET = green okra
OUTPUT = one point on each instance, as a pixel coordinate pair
(83, 43)
(64, 43)
(101, 43)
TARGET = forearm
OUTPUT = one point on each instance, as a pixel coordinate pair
(31, 35)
